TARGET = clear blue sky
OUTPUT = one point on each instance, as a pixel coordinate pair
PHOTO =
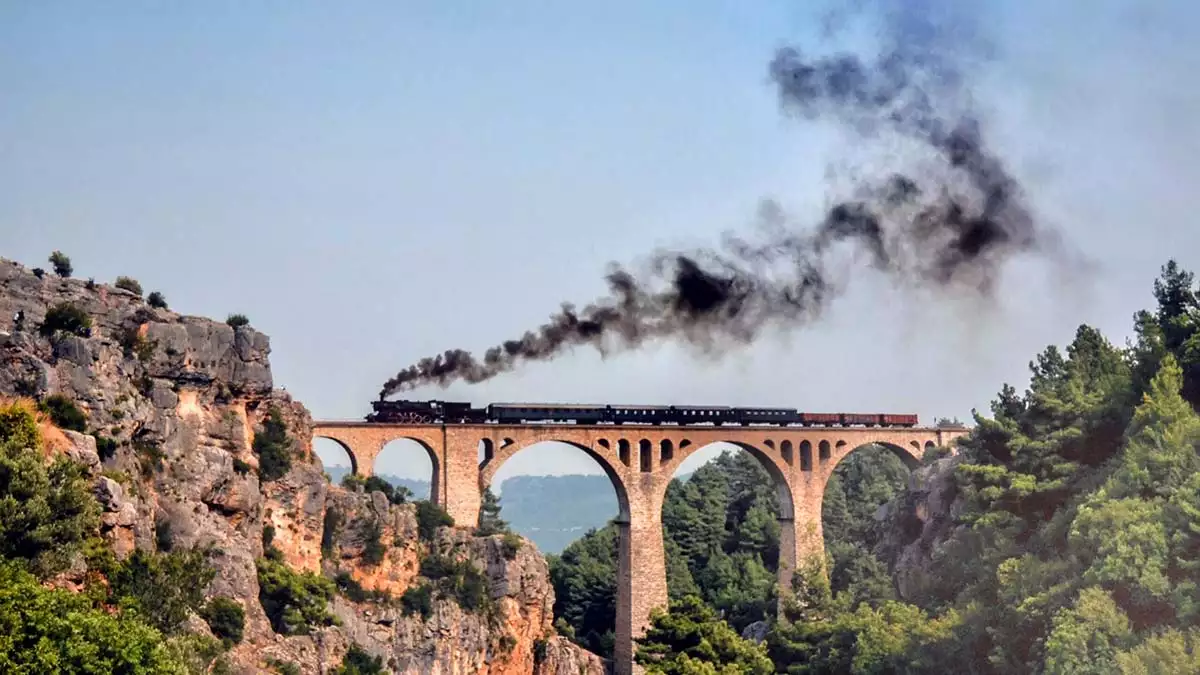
(373, 182)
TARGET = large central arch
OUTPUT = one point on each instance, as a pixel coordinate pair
(857, 482)
(494, 458)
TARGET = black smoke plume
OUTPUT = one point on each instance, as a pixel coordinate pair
(955, 225)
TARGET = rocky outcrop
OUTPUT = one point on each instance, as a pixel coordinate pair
(917, 522)
(560, 656)
(173, 404)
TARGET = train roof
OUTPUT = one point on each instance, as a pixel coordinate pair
(548, 405)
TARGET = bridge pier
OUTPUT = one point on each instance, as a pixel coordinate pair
(641, 569)
(462, 495)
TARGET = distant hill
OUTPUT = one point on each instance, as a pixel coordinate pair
(420, 488)
(552, 511)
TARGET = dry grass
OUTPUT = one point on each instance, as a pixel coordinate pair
(54, 441)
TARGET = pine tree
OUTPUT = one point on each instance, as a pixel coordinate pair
(489, 515)
(691, 640)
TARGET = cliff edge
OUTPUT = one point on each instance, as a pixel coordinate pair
(171, 408)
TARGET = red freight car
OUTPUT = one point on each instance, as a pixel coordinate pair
(865, 419)
(900, 420)
(820, 419)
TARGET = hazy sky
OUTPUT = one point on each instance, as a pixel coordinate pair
(374, 182)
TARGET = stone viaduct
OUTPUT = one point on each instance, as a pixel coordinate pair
(640, 460)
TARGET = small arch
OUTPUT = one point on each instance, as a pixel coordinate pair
(666, 450)
(825, 451)
(929, 445)
(646, 455)
(505, 443)
(603, 442)
(406, 462)
(889, 468)
(910, 458)
(915, 446)
(769, 443)
(806, 456)
(487, 450)
(623, 451)
(336, 457)
(840, 444)
(684, 443)
(785, 449)
(495, 474)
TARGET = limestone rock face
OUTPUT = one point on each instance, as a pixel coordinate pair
(563, 657)
(918, 522)
(173, 404)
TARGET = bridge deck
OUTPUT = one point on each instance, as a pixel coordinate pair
(626, 425)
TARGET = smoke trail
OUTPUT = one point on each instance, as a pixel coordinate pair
(952, 227)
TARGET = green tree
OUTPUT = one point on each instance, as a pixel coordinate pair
(691, 640)
(430, 517)
(226, 619)
(1087, 637)
(1166, 653)
(56, 631)
(64, 413)
(129, 284)
(490, 521)
(359, 662)
(157, 300)
(162, 587)
(293, 601)
(68, 318)
(274, 447)
(46, 512)
(61, 264)
(584, 577)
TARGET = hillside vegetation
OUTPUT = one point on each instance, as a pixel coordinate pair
(1074, 537)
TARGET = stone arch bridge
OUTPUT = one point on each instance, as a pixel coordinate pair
(640, 460)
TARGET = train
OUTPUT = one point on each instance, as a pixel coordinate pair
(458, 412)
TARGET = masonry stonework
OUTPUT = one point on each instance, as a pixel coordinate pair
(640, 461)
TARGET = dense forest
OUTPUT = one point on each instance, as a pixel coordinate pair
(1075, 545)
(722, 543)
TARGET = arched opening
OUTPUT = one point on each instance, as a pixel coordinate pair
(666, 451)
(825, 451)
(335, 458)
(487, 450)
(854, 521)
(623, 451)
(567, 499)
(806, 456)
(646, 455)
(409, 466)
(721, 530)
(785, 450)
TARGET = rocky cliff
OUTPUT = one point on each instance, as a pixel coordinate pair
(917, 523)
(172, 405)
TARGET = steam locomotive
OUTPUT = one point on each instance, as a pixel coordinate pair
(452, 412)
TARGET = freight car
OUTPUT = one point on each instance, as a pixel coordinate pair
(455, 412)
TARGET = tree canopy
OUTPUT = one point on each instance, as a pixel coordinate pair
(1073, 543)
